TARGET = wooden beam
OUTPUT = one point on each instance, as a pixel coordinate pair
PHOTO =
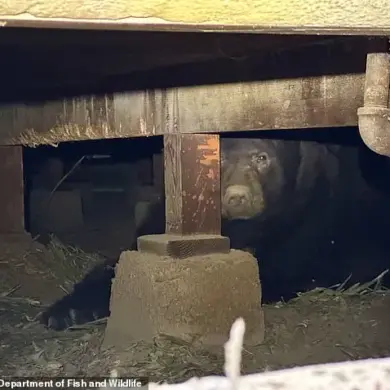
(321, 87)
(261, 16)
(322, 101)
(12, 190)
(192, 184)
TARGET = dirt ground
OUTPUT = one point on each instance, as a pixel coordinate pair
(317, 327)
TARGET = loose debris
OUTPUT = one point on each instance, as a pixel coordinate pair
(357, 289)
(323, 325)
(71, 262)
(46, 273)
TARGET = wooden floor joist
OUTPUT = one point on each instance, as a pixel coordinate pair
(338, 17)
(274, 105)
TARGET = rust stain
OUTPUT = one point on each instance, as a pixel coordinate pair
(209, 151)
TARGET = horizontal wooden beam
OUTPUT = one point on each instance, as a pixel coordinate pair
(265, 16)
(320, 87)
(324, 101)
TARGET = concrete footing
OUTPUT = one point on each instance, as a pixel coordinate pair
(196, 298)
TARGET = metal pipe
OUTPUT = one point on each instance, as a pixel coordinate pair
(374, 116)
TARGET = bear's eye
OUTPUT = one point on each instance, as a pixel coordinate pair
(261, 159)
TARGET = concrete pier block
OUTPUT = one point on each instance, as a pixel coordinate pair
(196, 298)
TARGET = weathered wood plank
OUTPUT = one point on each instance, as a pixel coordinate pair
(327, 101)
(12, 190)
(323, 101)
(50, 122)
(320, 87)
(266, 16)
(192, 184)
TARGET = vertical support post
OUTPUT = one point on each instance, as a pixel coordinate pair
(12, 190)
(192, 198)
(192, 184)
